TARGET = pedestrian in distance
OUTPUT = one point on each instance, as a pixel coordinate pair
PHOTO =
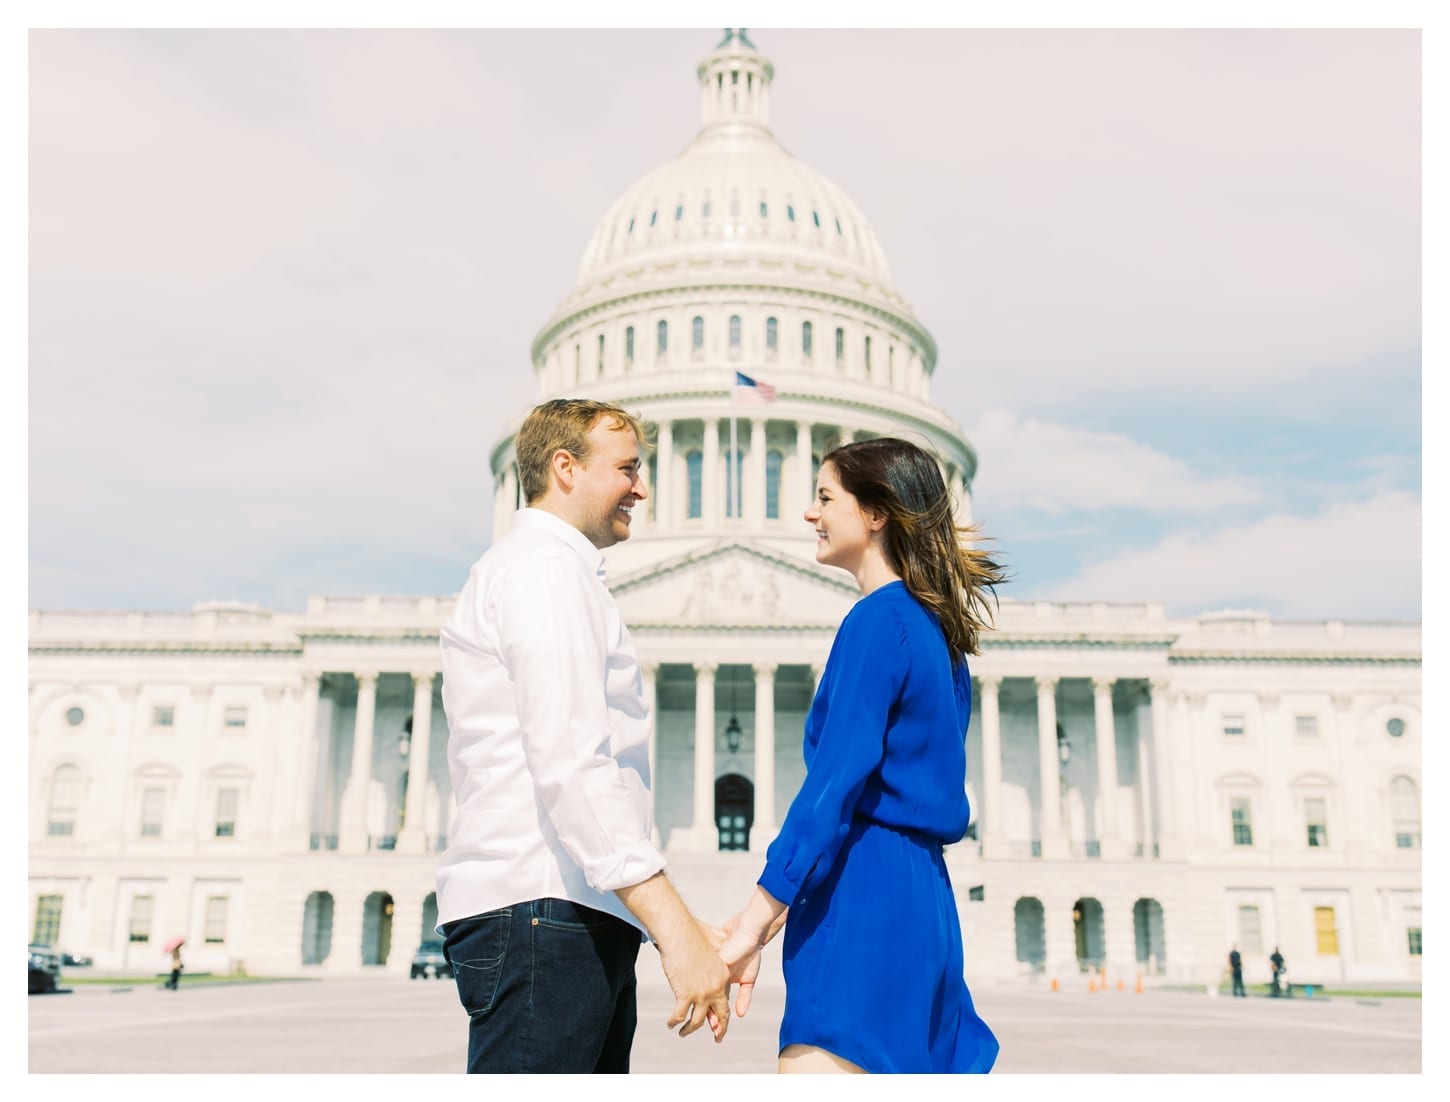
(1236, 966)
(1277, 972)
(174, 981)
(872, 949)
(550, 878)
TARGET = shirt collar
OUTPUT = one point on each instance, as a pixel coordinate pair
(544, 521)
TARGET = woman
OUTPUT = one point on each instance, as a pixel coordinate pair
(873, 946)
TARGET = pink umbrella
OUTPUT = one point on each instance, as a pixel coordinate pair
(173, 944)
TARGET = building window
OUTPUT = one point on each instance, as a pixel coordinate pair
(46, 930)
(599, 356)
(1315, 823)
(705, 206)
(1306, 726)
(1251, 938)
(734, 336)
(764, 210)
(816, 218)
(839, 232)
(790, 212)
(679, 211)
(653, 215)
(694, 478)
(977, 893)
(1395, 727)
(1233, 726)
(840, 346)
(868, 354)
(65, 801)
(807, 348)
(1412, 932)
(630, 228)
(734, 465)
(163, 715)
(629, 344)
(1326, 935)
(1242, 826)
(1405, 812)
(772, 337)
(227, 801)
(138, 919)
(75, 716)
(773, 460)
(153, 810)
(214, 925)
(697, 337)
(662, 343)
(234, 718)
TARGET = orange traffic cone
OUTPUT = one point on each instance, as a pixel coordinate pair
(1092, 984)
(1138, 987)
(1054, 983)
(1120, 983)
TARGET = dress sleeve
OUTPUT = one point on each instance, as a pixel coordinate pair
(863, 680)
(553, 633)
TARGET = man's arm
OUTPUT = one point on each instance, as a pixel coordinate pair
(696, 974)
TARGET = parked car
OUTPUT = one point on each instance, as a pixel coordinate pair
(75, 960)
(44, 969)
(429, 961)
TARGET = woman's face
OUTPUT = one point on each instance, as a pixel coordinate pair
(843, 530)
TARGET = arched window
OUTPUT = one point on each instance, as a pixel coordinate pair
(628, 345)
(65, 801)
(663, 339)
(807, 341)
(734, 499)
(697, 338)
(694, 478)
(734, 336)
(772, 337)
(772, 484)
(1405, 811)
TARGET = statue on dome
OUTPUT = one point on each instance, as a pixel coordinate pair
(731, 34)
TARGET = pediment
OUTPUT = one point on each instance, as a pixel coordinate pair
(734, 585)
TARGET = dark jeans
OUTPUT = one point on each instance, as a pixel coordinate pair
(1239, 984)
(174, 980)
(548, 985)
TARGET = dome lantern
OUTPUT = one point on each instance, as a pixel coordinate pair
(734, 84)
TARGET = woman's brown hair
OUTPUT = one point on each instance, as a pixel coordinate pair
(936, 557)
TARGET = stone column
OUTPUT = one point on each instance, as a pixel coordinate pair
(994, 837)
(1355, 793)
(413, 838)
(353, 828)
(276, 708)
(309, 749)
(1280, 816)
(345, 956)
(195, 818)
(1163, 768)
(702, 826)
(664, 487)
(1106, 738)
(762, 831)
(752, 505)
(711, 491)
(649, 674)
(407, 934)
(1054, 841)
(1118, 941)
(804, 475)
(1144, 793)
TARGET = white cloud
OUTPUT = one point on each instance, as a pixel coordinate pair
(1029, 463)
(1356, 560)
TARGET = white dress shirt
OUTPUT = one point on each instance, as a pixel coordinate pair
(548, 731)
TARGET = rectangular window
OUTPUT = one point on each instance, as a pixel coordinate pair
(1251, 938)
(662, 338)
(977, 893)
(163, 715)
(629, 344)
(840, 345)
(1233, 726)
(806, 336)
(47, 920)
(138, 922)
(1316, 822)
(1413, 933)
(227, 800)
(153, 808)
(868, 353)
(235, 717)
(1306, 726)
(215, 924)
(1242, 825)
(1406, 840)
(1326, 936)
(599, 364)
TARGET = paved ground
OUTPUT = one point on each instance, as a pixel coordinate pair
(393, 1025)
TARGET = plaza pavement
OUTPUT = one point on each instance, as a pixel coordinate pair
(392, 1025)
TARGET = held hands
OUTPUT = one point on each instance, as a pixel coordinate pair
(758, 921)
(699, 980)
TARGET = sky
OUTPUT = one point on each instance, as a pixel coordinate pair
(282, 286)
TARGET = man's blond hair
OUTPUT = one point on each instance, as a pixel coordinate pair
(563, 424)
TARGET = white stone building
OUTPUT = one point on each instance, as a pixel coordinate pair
(1148, 791)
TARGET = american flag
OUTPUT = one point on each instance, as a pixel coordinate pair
(748, 391)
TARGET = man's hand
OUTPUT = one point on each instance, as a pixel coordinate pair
(743, 971)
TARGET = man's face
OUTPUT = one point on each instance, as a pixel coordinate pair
(608, 485)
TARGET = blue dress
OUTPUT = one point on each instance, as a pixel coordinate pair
(872, 944)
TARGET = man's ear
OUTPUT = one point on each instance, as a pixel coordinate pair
(564, 467)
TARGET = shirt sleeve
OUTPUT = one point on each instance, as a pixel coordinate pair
(864, 678)
(553, 631)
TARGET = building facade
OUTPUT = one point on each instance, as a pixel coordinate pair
(1148, 790)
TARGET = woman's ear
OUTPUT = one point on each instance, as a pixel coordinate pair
(874, 520)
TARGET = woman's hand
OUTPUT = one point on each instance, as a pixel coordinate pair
(747, 932)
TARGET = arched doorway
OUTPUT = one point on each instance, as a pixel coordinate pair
(377, 936)
(1087, 934)
(317, 928)
(734, 810)
(1148, 935)
(1029, 921)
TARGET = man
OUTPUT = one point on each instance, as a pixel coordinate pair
(550, 875)
(1236, 966)
(1276, 966)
